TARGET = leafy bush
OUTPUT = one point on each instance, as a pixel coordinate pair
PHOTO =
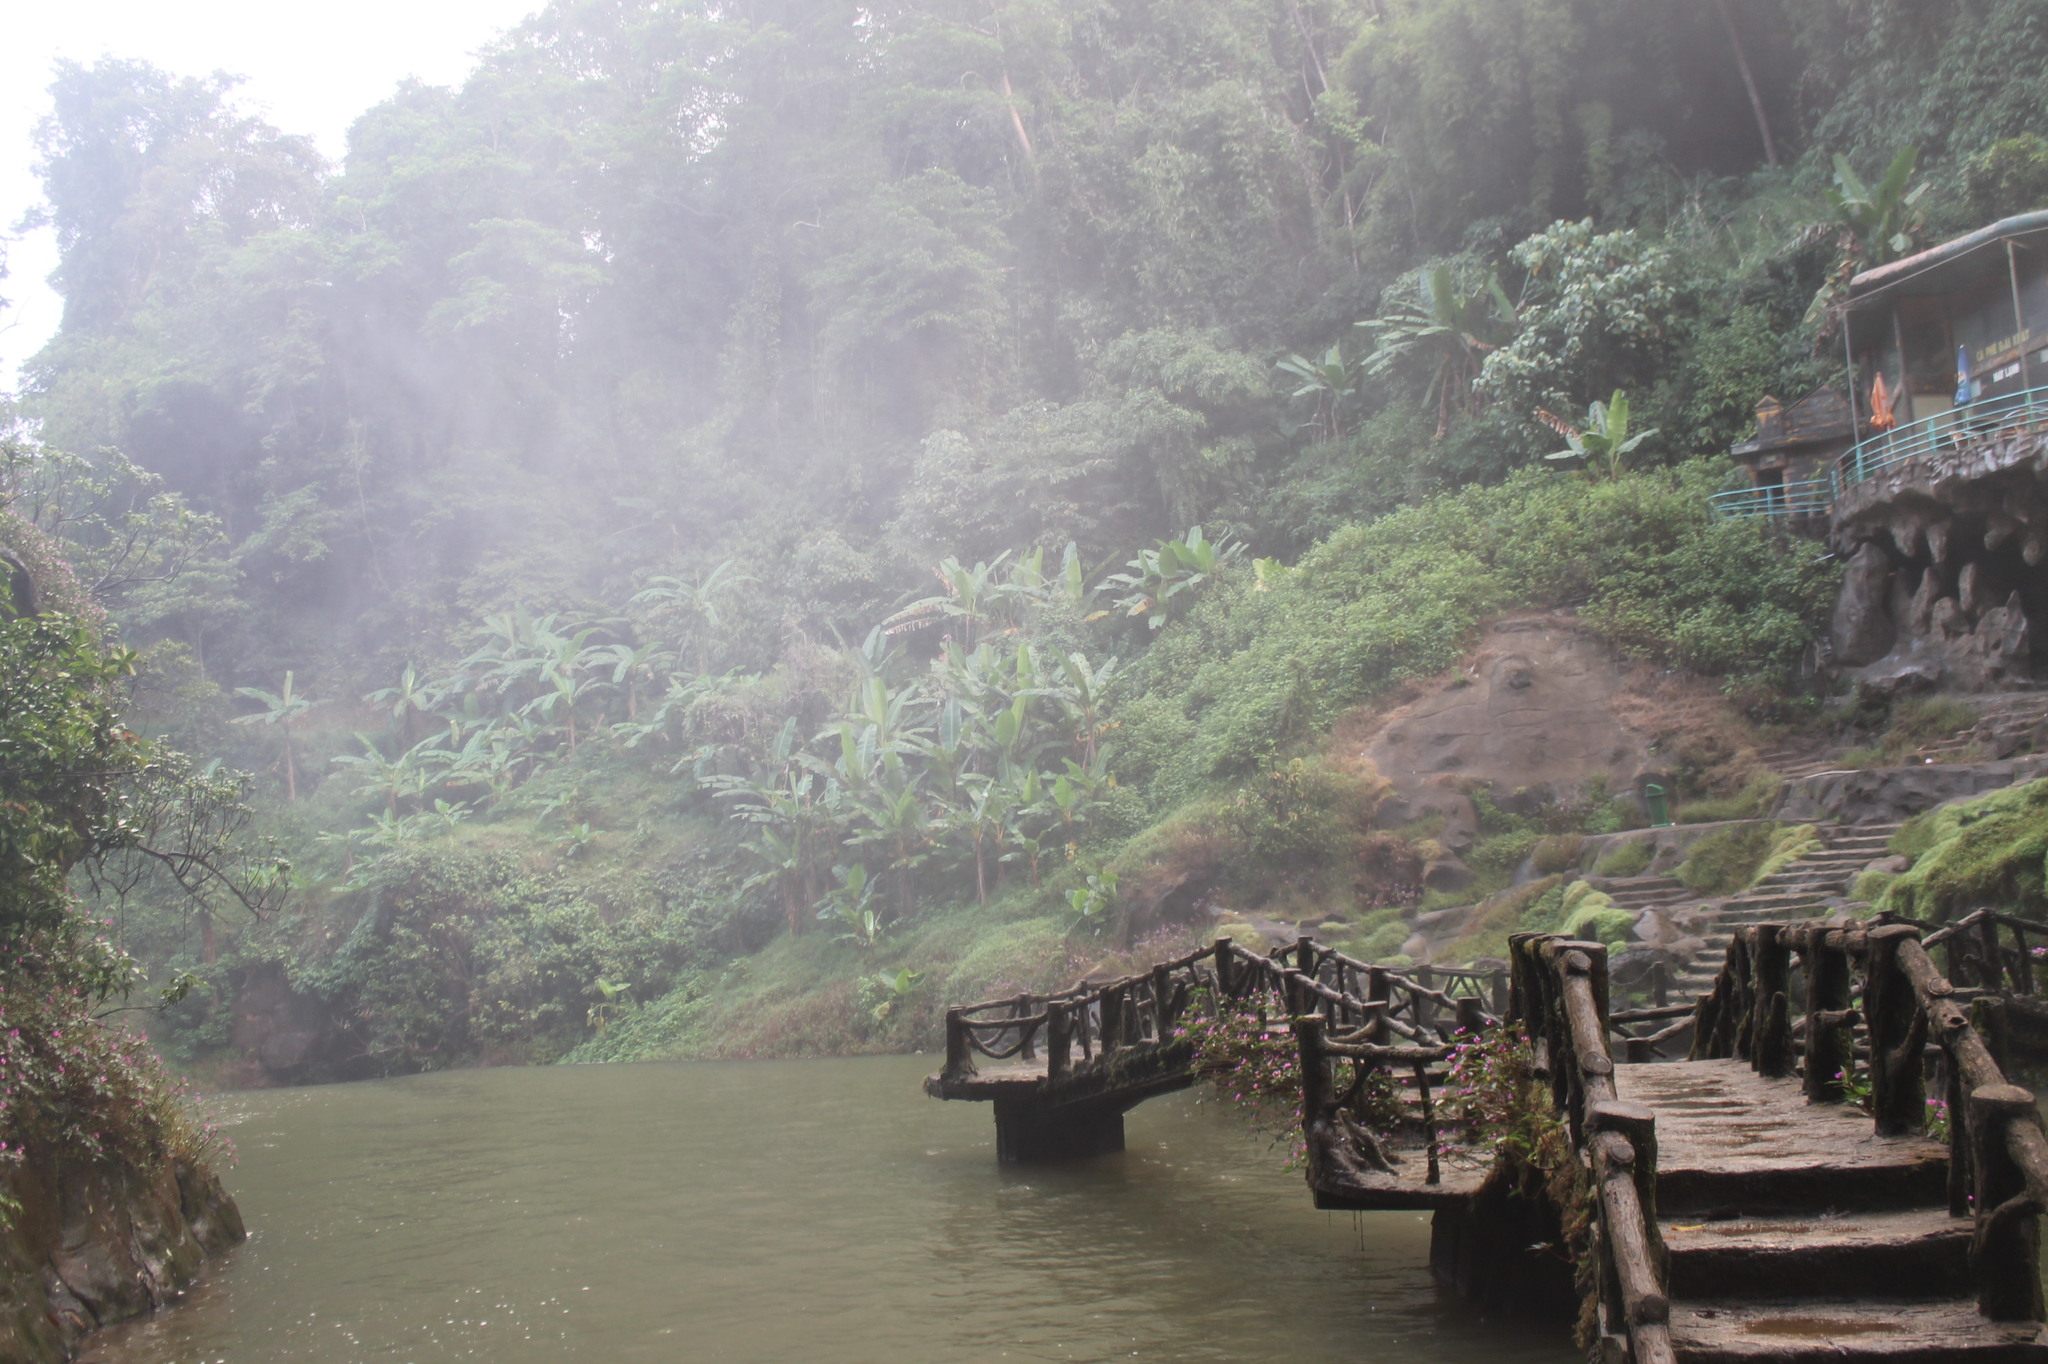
(1753, 801)
(1559, 852)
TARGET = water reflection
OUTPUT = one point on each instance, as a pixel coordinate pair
(780, 1211)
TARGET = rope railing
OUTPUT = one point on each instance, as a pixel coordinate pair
(1430, 1006)
(1560, 1002)
(1998, 1150)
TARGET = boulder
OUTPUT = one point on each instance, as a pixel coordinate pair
(1863, 630)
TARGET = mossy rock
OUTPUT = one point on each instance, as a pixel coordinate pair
(1629, 859)
(1870, 886)
(1988, 851)
(1244, 935)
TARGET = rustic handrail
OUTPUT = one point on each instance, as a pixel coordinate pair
(1998, 1150)
(1976, 958)
(1560, 1002)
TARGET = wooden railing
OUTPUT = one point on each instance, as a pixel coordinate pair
(1784, 996)
(1976, 957)
(1560, 1002)
(1091, 1021)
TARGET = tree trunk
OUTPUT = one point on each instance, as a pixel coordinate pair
(1756, 103)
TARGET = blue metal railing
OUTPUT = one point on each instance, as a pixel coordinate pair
(1869, 457)
(1813, 497)
(1942, 431)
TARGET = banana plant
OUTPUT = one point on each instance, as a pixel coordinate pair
(1450, 329)
(981, 818)
(394, 779)
(694, 604)
(1078, 692)
(852, 904)
(1092, 902)
(1331, 380)
(1605, 442)
(1880, 219)
(976, 601)
(1168, 570)
(282, 709)
(409, 700)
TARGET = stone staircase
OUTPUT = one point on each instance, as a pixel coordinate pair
(1793, 762)
(2007, 723)
(1796, 1234)
(1794, 891)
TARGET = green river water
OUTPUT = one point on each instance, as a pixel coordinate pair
(815, 1211)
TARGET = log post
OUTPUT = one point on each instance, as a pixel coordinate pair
(1226, 977)
(1379, 988)
(1316, 1096)
(1425, 1008)
(1898, 1034)
(2023, 963)
(1162, 1002)
(1962, 1159)
(1771, 1031)
(959, 1048)
(1112, 1032)
(1829, 1041)
(1706, 1023)
(2006, 1250)
(1500, 992)
(1624, 1138)
(1994, 955)
(1471, 1015)
(1026, 1034)
(1993, 1026)
(1660, 984)
(1058, 1033)
(1434, 1175)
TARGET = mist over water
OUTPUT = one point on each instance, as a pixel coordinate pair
(768, 1211)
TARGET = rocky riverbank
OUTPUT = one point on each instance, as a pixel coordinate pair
(86, 1247)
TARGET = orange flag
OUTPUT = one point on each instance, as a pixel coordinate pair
(1882, 418)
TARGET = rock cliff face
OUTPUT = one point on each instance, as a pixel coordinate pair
(1533, 715)
(1946, 584)
(85, 1247)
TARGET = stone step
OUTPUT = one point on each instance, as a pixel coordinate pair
(1845, 1330)
(1909, 1253)
(1732, 1144)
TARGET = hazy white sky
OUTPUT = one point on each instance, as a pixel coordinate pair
(309, 68)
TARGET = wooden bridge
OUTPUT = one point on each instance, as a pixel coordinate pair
(1736, 1205)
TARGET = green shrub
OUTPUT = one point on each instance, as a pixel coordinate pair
(1631, 858)
(1486, 935)
(1726, 860)
(1870, 886)
(1558, 853)
(1753, 801)
(1497, 857)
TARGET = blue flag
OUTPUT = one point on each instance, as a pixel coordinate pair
(1963, 394)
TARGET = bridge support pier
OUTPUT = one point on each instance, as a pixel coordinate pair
(1027, 1130)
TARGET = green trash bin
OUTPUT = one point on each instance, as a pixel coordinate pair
(1659, 802)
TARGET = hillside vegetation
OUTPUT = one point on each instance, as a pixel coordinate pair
(737, 526)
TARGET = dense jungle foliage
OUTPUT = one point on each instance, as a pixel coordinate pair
(742, 522)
